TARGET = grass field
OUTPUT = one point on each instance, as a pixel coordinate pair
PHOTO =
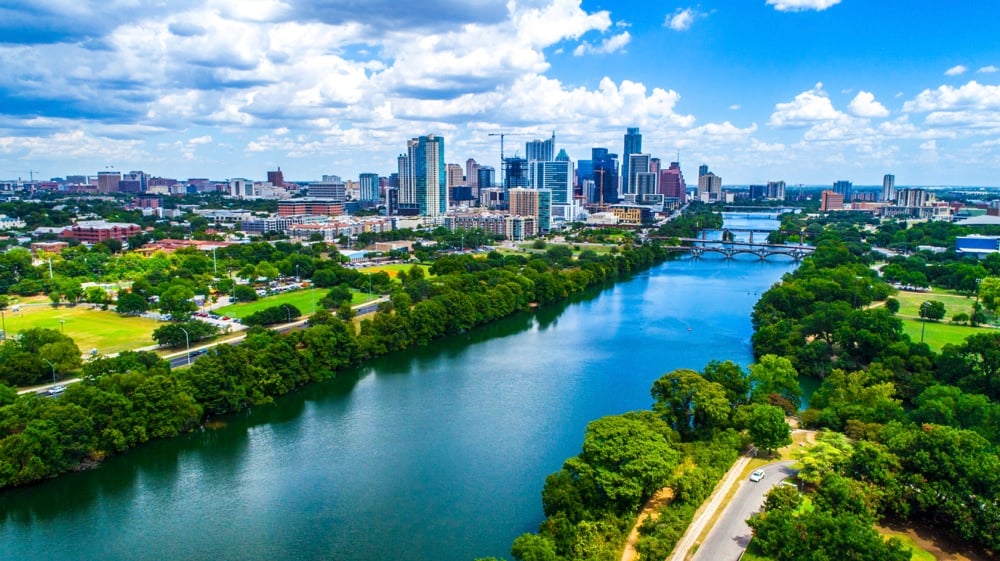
(936, 334)
(301, 299)
(105, 331)
(394, 269)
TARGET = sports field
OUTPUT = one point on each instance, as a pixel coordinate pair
(90, 328)
(937, 334)
(394, 269)
(301, 299)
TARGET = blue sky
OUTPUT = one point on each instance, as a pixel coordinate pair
(808, 91)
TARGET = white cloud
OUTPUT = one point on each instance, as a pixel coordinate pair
(681, 20)
(808, 108)
(735, 107)
(864, 105)
(801, 5)
(610, 45)
(988, 69)
(947, 98)
(955, 70)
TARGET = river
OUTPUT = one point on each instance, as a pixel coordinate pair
(435, 454)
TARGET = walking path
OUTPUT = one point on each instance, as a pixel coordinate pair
(650, 510)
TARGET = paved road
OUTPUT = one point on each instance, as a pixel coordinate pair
(731, 535)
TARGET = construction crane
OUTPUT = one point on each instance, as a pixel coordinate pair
(31, 174)
(502, 135)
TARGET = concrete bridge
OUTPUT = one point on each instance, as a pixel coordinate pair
(698, 247)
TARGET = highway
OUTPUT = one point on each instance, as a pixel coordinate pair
(731, 535)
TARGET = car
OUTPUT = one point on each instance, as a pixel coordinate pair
(757, 475)
(56, 390)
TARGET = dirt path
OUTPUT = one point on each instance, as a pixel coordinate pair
(650, 510)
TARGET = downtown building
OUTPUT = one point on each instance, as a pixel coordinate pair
(515, 228)
(423, 188)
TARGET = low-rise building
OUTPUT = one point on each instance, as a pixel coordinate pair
(94, 231)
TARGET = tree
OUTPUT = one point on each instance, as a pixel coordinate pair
(337, 296)
(892, 305)
(768, 428)
(244, 293)
(932, 310)
(774, 376)
(989, 293)
(689, 403)
(178, 302)
(131, 303)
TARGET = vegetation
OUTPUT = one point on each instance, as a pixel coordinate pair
(135, 397)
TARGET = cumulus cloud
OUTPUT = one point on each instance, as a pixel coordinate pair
(681, 19)
(808, 108)
(610, 45)
(864, 105)
(947, 98)
(955, 70)
(988, 69)
(801, 5)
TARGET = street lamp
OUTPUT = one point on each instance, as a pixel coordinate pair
(62, 326)
(369, 283)
(3, 326)
(288, 313)
(187, 341)
(53, 369)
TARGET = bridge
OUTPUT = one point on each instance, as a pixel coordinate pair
(698, 247)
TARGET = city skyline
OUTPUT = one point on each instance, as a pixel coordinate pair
(794, 90)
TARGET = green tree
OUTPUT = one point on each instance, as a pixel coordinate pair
(768, 428)
(689, 403)
(130, 303)
(933, 310)
(775, 376)
(178, 302)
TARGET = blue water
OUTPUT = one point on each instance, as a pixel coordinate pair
(438, 453)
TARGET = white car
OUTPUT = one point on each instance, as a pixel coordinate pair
(757, 475)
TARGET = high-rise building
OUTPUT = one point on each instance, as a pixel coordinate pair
(425, 156)
(276, 178)
(597, 178)
(328, 191)
(633, 145)
(133, 182)
(830, 200)
(702, 170)
(889, 188)
(456, 175)
(368, 187)
(776, 190)
(672, 183)
(407, 196)
(515, 173)
(471, 173)
(487, 177)
(709, 187)
(540, 150)
(531, 202)
(844, 188)
(637, 164)
(557, 178)
(654, 165)
(107, 181)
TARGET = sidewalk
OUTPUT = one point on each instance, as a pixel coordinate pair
(708, 510)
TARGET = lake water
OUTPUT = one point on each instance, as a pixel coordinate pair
(437, 453)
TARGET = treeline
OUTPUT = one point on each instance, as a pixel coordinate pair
(698, 424)
(127, 400)
(921, 426)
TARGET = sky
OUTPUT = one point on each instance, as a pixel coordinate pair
(805, 91)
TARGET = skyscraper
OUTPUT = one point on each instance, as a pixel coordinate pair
(540, 150)
(556, 177)
(515, 173)
(604, 176)
(455, 176)
(844, 188)
(672, 183)
(471, 173)
(633, 145)
(889, 188)
(637, 164)
(776, 190)
(369, 187)
(702, 170)
(709, 187)
(276, 178)
(486, 177)
(425, 156)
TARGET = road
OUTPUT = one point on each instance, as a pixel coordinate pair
(731, 535)
(182, 360)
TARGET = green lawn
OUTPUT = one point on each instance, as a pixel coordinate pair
(301, 299)
(938, 334)
(105, 331)
(919, 553)
(909, 302)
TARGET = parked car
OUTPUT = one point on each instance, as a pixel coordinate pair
(757, 475)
